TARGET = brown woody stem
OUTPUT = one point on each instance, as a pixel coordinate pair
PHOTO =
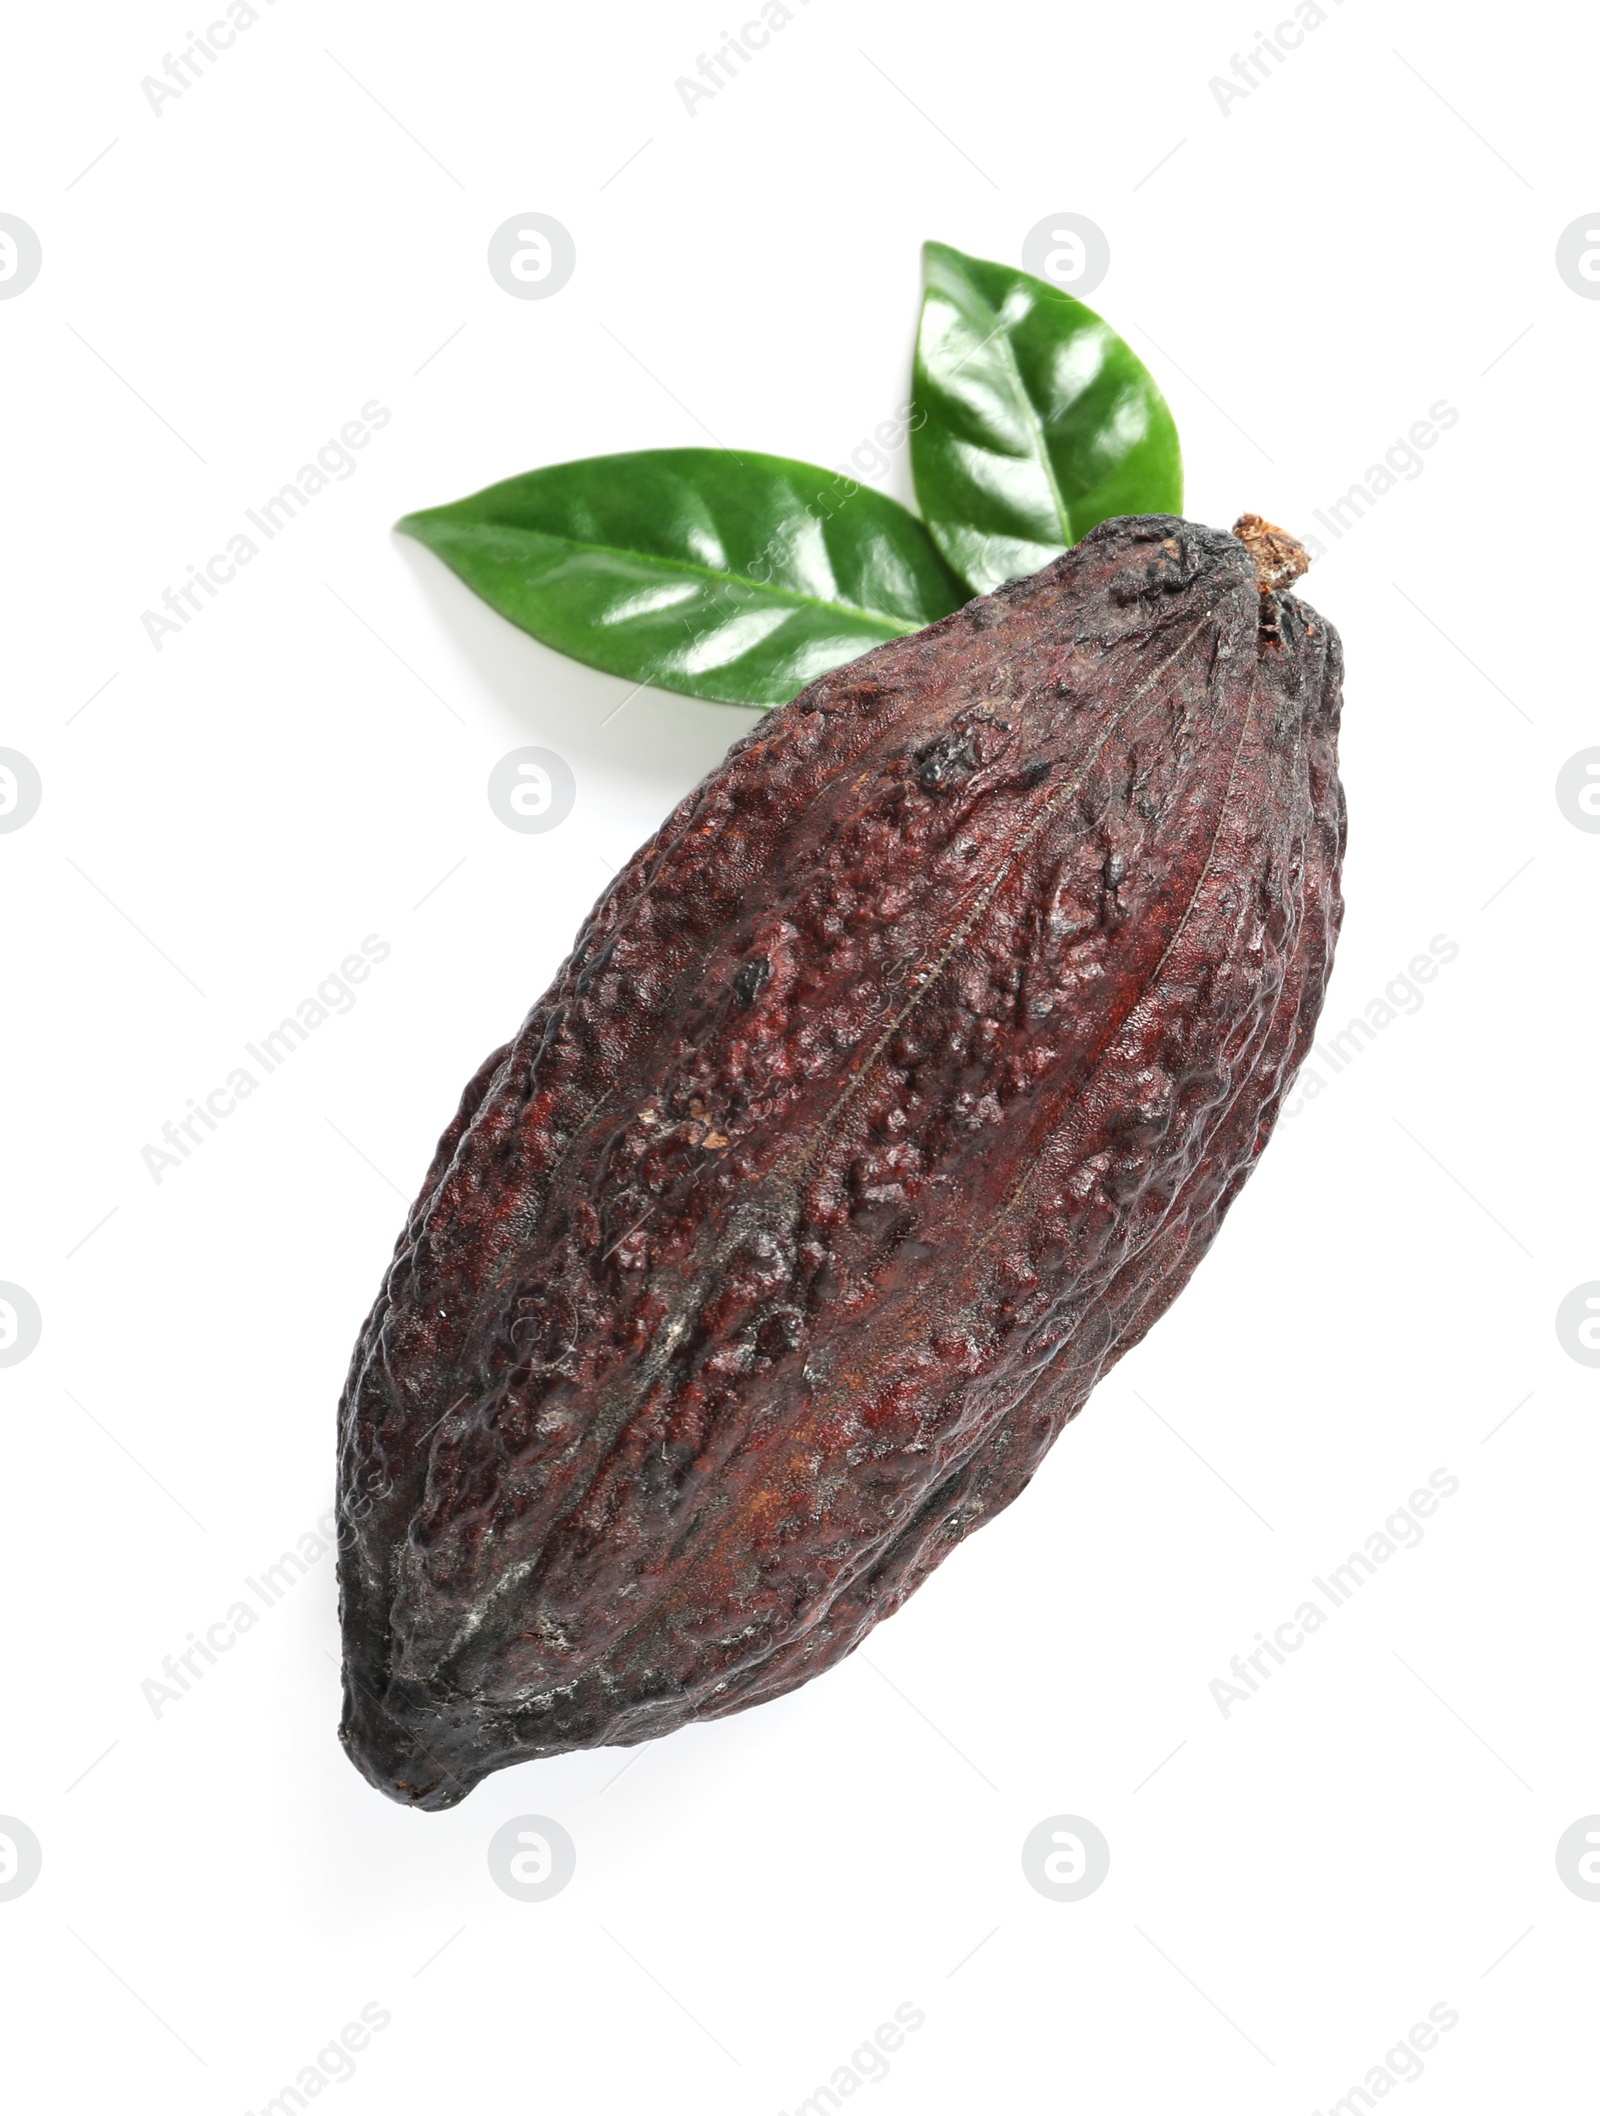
(1280, 559)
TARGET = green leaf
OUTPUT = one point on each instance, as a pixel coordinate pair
(738, 578)
(1032, 420)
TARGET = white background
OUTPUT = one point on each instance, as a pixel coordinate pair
(303, 231)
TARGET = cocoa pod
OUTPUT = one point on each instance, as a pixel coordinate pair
(888, 1097)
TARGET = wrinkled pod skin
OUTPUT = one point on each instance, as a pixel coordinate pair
(888, 1097)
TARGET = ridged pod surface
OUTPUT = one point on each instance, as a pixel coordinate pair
(888, 1097)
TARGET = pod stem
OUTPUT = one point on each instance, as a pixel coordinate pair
(1280, 559)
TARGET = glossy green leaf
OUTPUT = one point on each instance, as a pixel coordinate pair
(738, 578)
(1032, 420)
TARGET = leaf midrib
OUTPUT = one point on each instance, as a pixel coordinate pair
(793, 596)
(1002, 333)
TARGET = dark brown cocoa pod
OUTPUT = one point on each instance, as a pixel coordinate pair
(889, 1095)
